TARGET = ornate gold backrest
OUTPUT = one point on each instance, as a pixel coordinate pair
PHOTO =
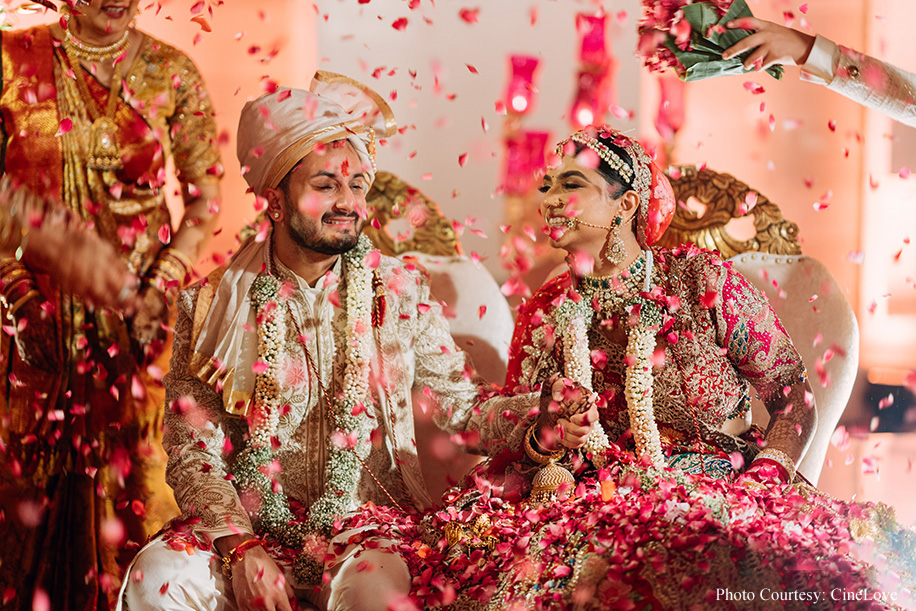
(430, 232)
(725, 199)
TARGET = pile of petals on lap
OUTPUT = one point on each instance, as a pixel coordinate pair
(692, 514)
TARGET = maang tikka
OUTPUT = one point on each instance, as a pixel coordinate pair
(614, 252)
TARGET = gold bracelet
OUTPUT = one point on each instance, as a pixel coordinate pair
(237, 553)
(781, 458)
(11, 312)
(539, 457)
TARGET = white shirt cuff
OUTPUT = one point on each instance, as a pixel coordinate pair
(819, 67)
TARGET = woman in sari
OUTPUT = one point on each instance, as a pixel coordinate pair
(643, 485)
(92, 109)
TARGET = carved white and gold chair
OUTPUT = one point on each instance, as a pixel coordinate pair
(712, 210)
(407, 224)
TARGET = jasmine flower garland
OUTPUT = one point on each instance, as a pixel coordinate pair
(348, 443)
(574, 318)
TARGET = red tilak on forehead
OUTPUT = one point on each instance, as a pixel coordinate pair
(345, 168)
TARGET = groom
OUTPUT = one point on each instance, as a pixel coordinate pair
(290, 387)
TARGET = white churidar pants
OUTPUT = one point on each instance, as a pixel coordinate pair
(161, 578)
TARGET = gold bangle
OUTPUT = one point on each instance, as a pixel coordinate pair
(12, 266)
(8, 287)
(780, 457)
(21, 302)
(182, 259)
(539, 457)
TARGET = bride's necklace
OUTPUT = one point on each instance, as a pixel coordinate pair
(612, 293)
(104, 148)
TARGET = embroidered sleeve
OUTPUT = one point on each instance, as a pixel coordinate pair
(531, 353)
(193, 129)
(195, 439)
(756, 342)
(863, 79)
(489, 425)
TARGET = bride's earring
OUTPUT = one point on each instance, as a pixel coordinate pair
(614, 251)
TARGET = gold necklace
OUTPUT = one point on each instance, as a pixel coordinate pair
(94, 54)
(614, 292)
(104, 148)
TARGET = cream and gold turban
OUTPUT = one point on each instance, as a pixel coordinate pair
(280, 128)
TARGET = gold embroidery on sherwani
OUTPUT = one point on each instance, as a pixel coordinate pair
(418, 347)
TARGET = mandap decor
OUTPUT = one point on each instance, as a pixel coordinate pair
(595, 80)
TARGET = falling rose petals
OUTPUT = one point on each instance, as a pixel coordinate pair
(588, 158)
(840, 439)
(904, 172)
(400, 24)
(831, 125)
(469, 15)
(872, 183)
(772, 123)
(41, 601)
(886, 402)
(202, 22)
(65, 126)
(481, 311)
(820, 206)
(582, 264)
(803, 9)
(8, 595)
(750, 200)
(165, 234)
(754, 88)
(515, 286)
(737, 460)
(30, 513)
(910, 382)
(112, 531)
(463, 159)
(260, 367)
(472, 69)
(373, 258)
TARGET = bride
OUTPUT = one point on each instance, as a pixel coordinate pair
(659, 493)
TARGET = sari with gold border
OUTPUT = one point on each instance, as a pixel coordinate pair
(82, 453)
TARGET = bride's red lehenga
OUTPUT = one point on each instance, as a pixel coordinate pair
(691, 533)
